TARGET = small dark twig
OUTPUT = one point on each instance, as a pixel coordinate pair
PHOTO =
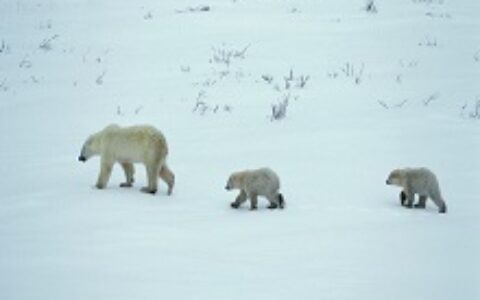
(46, 44)
(430, 99)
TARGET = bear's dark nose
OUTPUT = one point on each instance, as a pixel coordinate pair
(227, 188)
(82, 158)
(387, 182)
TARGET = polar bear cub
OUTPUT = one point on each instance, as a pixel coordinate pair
(419, 181)
(128, 145)
(254, 183)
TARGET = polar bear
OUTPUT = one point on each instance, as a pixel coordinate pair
(253, 183)
(128, 145)
(419, 181)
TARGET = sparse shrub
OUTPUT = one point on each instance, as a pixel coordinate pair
(294, 10)
(148, 16)
(431, 98)
(398, 78)
(200, 8)
(302, 81)
(393, 105)
(4, 48)
(25, 63)
(279, 110)
(3, 85)
(267, 78)
(202, 107)
(429, 41)
(288, 79)
(224, 55)
(383, 104)
(121, 112)
(46, 44)
(370, 7)
(100, 77)
(34, 79)
(349, 70)
(475, 113)
(46, 25)
(299, 81)
(138, 109)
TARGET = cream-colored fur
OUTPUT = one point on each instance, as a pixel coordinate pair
(419, 181)
(254, 183)
(129, 145)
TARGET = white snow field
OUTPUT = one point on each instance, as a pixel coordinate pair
(395, 88)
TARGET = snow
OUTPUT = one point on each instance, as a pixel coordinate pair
(343, 234)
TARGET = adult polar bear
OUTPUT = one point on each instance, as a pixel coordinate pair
(129, 145)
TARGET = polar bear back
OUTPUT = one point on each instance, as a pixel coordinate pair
(262, 182)
(422, 181)
(133, 144)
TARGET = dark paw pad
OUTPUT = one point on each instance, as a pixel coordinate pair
(234, 205)
(272, 206)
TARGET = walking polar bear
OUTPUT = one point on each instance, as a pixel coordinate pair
(129, 145)
(419, 181)
(253, 183)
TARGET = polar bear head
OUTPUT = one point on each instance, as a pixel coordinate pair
(235, 181)
(90, 148)
(396, 177)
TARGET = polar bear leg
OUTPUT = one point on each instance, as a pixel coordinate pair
(167, 175)
(442, 207)
(273, 199)
(403, 198)
(281, 200)
(242, 197)
(422, 200)
(253, 201)
(129, 170)
(152, 176)
(410, 199)
(105, 171)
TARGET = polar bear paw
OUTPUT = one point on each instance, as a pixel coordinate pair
(148, 190)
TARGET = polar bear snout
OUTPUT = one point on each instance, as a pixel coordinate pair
(230, 183)
(82, 158)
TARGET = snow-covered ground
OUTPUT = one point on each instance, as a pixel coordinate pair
(384, 90)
